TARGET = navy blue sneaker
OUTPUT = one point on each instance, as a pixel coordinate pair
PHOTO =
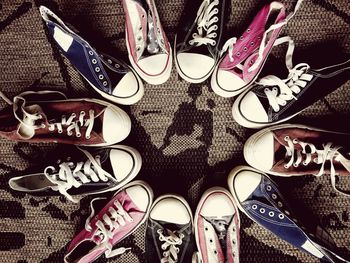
(257, 196)
(112, 78)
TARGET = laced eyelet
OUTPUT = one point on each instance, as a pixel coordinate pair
(164, 254)
(94, 61)
(286, 138)
(286, 166)
(88, 137)
(68, 133)
(43, 126)
(271, 214)
(78, 135)
(262, 210)
(296, 165)
(82, 113)
(304, 163)
(60, 131)
(213, 43)
(266, 89)
(280, 216)
(91, 53)
(159, 231)
(284, 103)
(295, 141)
(74, 115)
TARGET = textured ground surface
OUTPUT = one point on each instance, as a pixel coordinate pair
(184, 132)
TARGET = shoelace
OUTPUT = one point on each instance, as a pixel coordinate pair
(74, 175)
(206, 20)
(117, 218)
(285, 90)
(232, 41)
(74, 124)
(304, 157)
(171, 240)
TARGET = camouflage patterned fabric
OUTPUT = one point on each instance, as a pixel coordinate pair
(185, 133)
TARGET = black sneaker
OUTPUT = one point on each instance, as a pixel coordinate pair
(92, 171)
(273, 100)
(169, 231)
(199, 38)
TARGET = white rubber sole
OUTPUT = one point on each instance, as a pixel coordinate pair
(119, 100)
(200, 204)
(183, 76)
(154, 80)
(249, 144)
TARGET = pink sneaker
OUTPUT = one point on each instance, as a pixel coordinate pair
(123, 214)
(243, 59)
(148, 47)
(217, 227)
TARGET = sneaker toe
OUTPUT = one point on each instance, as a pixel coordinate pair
(217, 204)
(128, 86)
(123, 164)
(154, 65)
(259, 151)
(116, 125)
(245, 182)
(139, 196)
(229, 81)
(195, 66)
(172, 210)
(251, 109)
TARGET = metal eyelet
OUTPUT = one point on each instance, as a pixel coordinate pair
(109, 61)
(271, 214)
(117, 65)
(238, 54)
(262, 210)
(78, 135)
(248, 30)
(241, 37)
(105, 83)
(252, 43)
(88, 137)
(279, 204)
(287, 212)
(91, 53)
(274, 196)
(245, 48)
(268, 188)
(100, 76)
(280, 216)
(97, 69)
(286, 138)
(254, 207)
(94, 61)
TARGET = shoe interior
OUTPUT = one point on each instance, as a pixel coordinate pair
(81, 250)
(34, 182)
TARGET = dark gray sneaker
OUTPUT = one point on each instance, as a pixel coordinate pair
(169, 231)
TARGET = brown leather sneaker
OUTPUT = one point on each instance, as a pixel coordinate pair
(48, 116)
(291, 150)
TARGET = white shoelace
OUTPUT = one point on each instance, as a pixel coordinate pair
(71, 175)
(171, 240)
(75, 124)
(285, 90)
(304, 157)
(117, 218)
(206, 19)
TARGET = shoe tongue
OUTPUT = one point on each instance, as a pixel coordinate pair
(220, 226)
(26, 129)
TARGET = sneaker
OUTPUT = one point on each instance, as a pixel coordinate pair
(198, 39)
(122, 215)
(273, 100)
(244, 58)
(169, 230)
(296, 150)
(112, 78)
(148, 47)
(258, 197)
(90, 171)
(48, 116)
(217, 227)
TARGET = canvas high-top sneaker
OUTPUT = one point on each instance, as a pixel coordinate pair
(217, 227)
(119, 218)
(296, 150)
(169, 230)
(48, 116)
(112, 78)
(199, 38)
(244, 58)
(273, 100)
(148, 47)
(258, 197)
(84, 172)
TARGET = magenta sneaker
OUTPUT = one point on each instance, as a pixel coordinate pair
(48, 116)
(242, 62)
(217, 226)
(122, 215)
(148, 47)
